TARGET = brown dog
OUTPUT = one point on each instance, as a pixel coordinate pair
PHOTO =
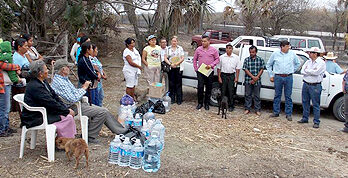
(74, 147)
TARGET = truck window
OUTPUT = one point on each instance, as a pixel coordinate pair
(244, 42)
(298, 43)
(206, 34)
(302, 59)
(225, 36)
(215, 35)
(222, 51)
(314, 43)
(283, 39)
(260, 43)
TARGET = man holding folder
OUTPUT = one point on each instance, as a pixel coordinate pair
(208, 56)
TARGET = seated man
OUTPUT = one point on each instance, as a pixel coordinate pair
(97, 115)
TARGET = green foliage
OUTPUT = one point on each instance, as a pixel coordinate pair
(6, 20)
(74, 16)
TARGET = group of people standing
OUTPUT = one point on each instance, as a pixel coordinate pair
(281, 66)
(153, 57)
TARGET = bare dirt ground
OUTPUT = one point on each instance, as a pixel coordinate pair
(199, 143)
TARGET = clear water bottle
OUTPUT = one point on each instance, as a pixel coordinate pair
(129, 118)
(152, 156)
(167, 102)
(149, 115)
(136, 159)
(122, 109)
(114, 151)
(159, 127)
(133, 107)
(146, 129)
(137, 122)
(126, 151)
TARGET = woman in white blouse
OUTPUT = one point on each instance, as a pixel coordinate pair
(175, 55)
(32, 54)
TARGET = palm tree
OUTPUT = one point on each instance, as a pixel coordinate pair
(228, 13)
(252, 9)
(344, 3)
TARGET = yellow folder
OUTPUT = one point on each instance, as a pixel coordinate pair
(205, 71)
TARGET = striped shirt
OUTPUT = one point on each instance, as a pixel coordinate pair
(65, 89)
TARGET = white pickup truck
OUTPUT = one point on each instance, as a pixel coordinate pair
(331, 96)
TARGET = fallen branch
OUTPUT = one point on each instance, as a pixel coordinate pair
(301, 149)
(6, 148)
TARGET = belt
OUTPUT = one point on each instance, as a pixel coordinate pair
(228, 74)
(318, 83)
(284, 75)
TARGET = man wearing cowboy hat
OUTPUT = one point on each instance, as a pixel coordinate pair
(331, 66)
(313, 72)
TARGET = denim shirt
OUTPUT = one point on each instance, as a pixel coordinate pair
(282, 63)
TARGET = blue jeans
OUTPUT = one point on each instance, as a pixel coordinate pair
(5, 105)
(311, 92)
(101, 95)
(279, 84)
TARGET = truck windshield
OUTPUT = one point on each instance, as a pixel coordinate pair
(236, 41)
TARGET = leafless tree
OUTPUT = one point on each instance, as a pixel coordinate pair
(285, 14)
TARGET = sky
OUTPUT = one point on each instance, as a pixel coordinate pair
(219, 5)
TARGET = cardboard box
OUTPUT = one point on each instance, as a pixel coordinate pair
(156, 90)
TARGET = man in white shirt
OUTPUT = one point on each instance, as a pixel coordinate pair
(228, 73)
(313, 72)
(164, 48)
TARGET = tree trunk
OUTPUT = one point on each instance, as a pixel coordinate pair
(249, 25)
(132, 17)
(41, 17)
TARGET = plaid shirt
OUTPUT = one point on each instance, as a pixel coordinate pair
(253, 66)
(65, 89)
(7, 67)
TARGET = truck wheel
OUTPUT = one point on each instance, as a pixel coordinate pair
(338, 109)
(213, 97)
(194, 45)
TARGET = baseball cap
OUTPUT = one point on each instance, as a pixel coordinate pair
(62, 63)
(150, 37)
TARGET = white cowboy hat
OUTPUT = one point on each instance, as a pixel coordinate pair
(330, 55)
(314, 50)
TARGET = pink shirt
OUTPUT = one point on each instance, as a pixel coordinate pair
(208, 57)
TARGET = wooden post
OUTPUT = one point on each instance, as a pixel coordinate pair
(66, 45)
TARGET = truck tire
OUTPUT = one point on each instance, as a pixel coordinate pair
(338, 109)
(213, 97)
(194, 45)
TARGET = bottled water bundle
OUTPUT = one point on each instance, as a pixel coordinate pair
(152, 153)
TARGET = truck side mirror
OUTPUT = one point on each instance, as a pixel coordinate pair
(238, 45)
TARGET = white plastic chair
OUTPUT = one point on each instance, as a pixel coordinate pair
(83, 119)
(50, 129)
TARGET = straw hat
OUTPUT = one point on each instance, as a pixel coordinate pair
(330, 55)
(314, 50)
